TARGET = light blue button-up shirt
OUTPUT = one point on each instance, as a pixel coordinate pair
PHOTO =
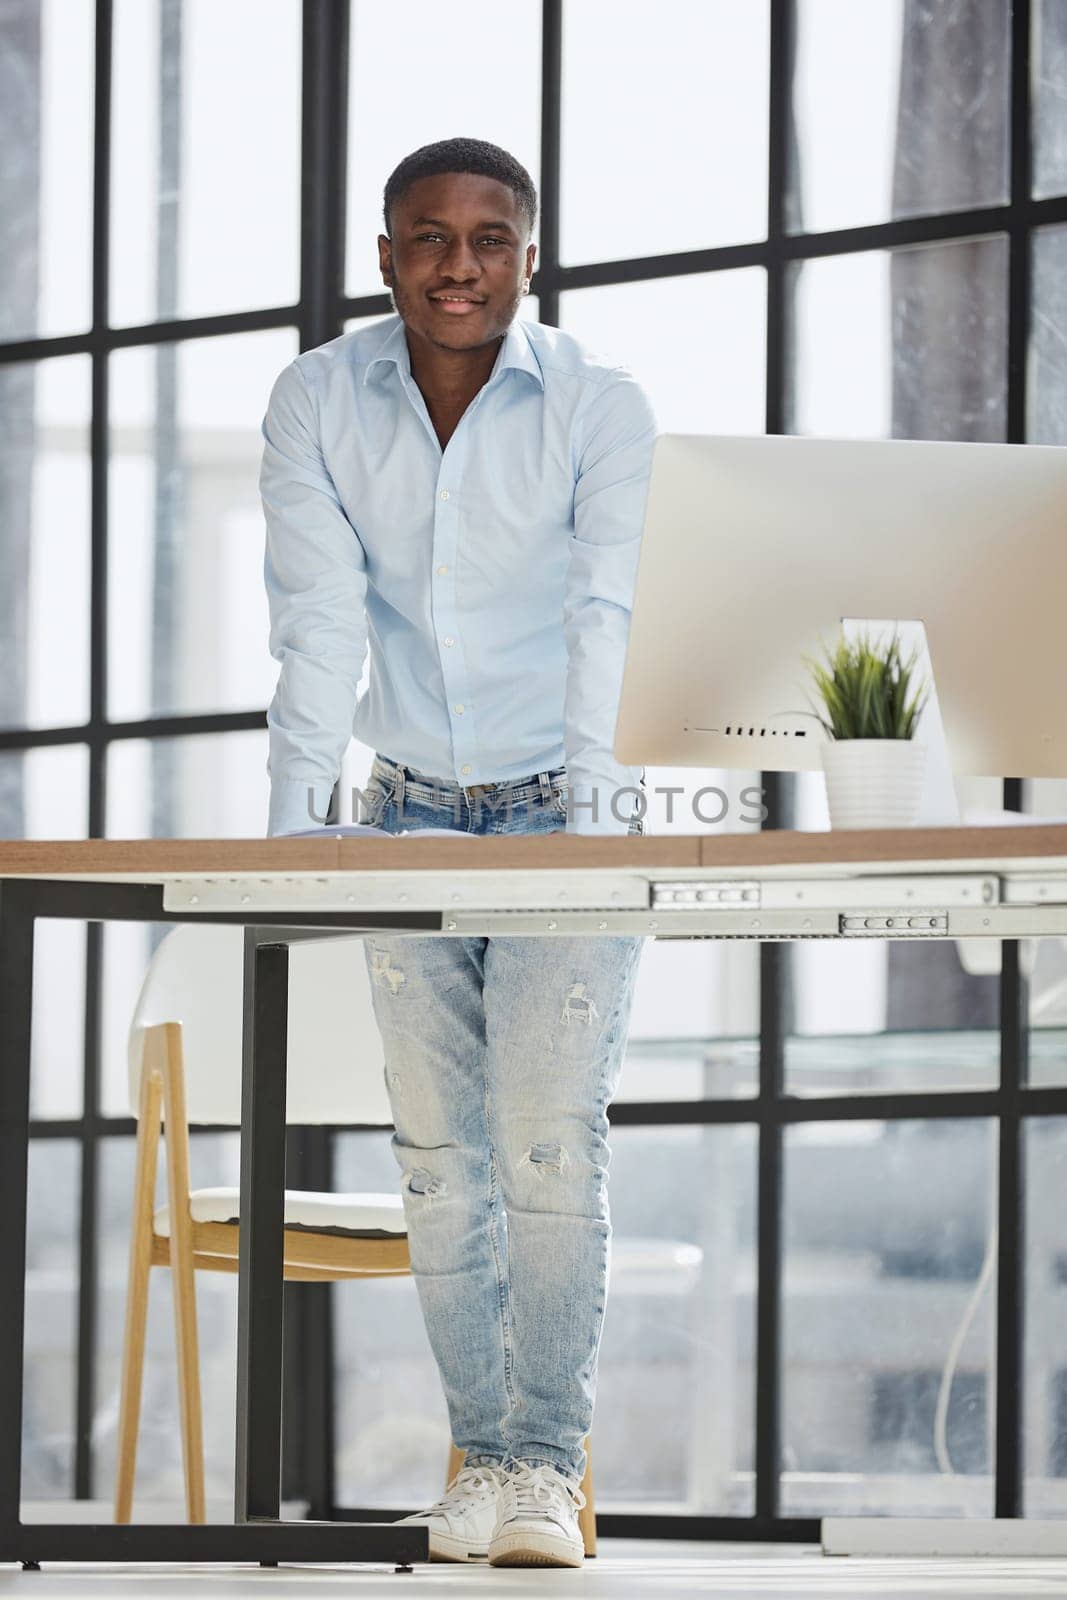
(493, 579)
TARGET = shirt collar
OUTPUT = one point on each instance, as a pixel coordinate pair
(515, 351)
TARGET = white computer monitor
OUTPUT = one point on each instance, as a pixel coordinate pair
(756, 548)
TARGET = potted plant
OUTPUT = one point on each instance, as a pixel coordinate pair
(873, 764)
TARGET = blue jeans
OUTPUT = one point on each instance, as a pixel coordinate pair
(501, 1058)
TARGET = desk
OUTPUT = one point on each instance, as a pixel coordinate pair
(1005, 882)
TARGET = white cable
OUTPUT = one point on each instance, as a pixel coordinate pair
(944, 1460)
(1039, 1004)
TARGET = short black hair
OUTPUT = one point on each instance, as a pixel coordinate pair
(462, 155)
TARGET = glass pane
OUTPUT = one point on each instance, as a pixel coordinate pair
(214, 1159)
(44, 793)
(45, 548)
(1048, 1045)
(46, 129)
(879, 1062)
(188, 610)
(694, 1022)
(679, 1331)
(1045, 963)
(900, 108)
(670, 109)
(203, 786)
(907, 343)
(205, 180)
(892, 1015)
(687, 1068)
(1046, 404)
(671, 332)
(50, 1363)
(942, 1010)
(1045, 1368)
(127, 950)
(888, 1229)
(1049, 89)
(439, 66)
(57, 1051)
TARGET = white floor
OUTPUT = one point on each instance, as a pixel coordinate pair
(625, 1570)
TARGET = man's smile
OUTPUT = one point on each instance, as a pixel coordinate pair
(457, 304)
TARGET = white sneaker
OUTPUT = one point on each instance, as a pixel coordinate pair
(538, 1523)
(462, 1521)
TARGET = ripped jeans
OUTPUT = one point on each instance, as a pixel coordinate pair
(501, 1058)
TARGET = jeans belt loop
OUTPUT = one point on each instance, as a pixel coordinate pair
(546, 788)
(398, 793)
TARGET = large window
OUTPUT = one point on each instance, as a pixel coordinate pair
(836, 1170)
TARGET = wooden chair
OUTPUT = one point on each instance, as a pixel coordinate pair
(184, 1060)
(185, 1067)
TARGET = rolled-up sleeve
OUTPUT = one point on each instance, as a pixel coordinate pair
(617, 432)
(315, 572)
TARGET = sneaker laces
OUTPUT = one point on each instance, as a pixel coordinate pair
(467, 1479)
(538, 1489)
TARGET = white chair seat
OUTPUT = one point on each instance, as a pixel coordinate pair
(361, 1216)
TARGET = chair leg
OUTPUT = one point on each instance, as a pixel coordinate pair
(455, 1462)
(183, 1276)
(183, 1283)
(137, 1292)
(587, 1515)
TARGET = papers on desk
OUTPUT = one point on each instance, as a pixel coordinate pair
(366, 830)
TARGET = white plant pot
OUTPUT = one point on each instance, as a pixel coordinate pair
(873, 783)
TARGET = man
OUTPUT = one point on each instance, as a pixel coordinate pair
(468, 490)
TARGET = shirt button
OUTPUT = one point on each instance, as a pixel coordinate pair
(441, 571)
(450, 640)
(460, 710)
(464, 769)
(444, 494)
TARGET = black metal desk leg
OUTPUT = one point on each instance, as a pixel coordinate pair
(16, 1006)
(259, 1284)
